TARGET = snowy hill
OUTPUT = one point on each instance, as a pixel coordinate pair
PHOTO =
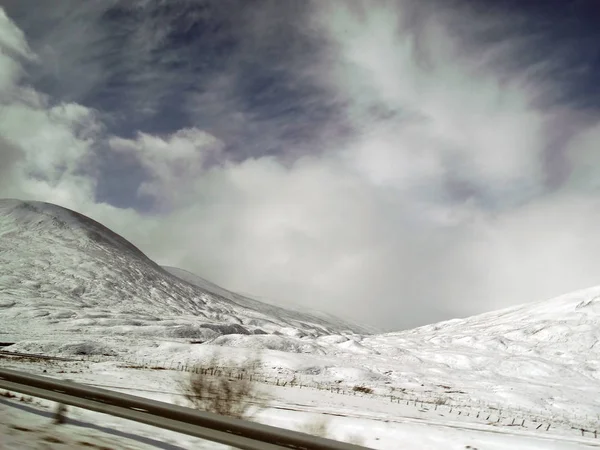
(543, 355)
(65, 273)
(565, 329)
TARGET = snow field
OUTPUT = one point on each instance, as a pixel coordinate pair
(373, 420)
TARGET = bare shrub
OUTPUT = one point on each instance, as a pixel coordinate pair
(228, 396)
(363, 389)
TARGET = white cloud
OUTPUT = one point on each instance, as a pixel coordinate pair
(44, 147)
(432, 205)
(54, 145)
(415, 216)
(584, 160)
(13, 48)
(453, 113)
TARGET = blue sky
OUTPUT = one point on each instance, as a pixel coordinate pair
(394, 162)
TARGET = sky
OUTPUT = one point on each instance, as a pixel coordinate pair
(396, 163)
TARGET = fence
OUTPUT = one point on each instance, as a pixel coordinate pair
(495, 415)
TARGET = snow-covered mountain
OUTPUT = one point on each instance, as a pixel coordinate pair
(64, 272)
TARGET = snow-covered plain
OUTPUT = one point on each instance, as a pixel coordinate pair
(367, 420)
(525, 377)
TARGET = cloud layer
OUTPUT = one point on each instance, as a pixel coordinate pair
(391, 164)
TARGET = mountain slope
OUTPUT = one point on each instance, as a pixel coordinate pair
(65, 272)
(241, 300)
(565, 328)
(543, 355)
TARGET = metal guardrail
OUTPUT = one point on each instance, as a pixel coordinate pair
(213, 427)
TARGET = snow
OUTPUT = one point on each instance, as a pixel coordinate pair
(368, 420)
(71, 287)
(28, 425)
